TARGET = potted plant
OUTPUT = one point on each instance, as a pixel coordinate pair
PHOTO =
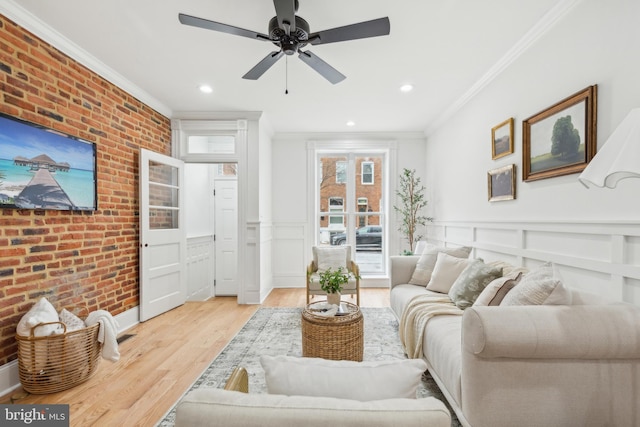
(332, 282)
(413, 200)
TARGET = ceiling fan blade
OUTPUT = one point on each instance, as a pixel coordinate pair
(361, 30)
(217, 26)
(286, 13)
(325, 70)
(262, 66)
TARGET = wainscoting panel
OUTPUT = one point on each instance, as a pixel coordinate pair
(291, 254)
(598, 257)
(200, 262)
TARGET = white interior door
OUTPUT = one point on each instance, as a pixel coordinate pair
(162, 236)
(226, 237)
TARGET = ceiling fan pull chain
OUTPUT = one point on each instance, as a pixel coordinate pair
(286, 75)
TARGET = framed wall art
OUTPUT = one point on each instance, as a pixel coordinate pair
(502, 139)
(560, 140)
(502, 183)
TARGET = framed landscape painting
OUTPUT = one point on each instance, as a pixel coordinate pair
(502, 139)
(560, 140)
(502, 183)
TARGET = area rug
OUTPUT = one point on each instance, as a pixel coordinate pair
(277, 331)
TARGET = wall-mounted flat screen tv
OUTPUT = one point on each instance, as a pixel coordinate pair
(44, 169)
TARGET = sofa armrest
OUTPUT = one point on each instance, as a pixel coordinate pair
(402, 268)
(610, 331)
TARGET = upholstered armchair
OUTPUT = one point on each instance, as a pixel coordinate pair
(325, 257)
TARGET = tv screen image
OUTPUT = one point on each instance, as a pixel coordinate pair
(44, 169)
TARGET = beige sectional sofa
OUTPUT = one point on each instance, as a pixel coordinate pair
(575, 364)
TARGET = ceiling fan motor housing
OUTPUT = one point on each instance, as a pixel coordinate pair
(290, 43)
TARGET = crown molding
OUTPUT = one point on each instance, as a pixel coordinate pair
(547, 22)
(12, 10)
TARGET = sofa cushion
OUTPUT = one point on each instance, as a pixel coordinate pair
(442, 347)
(306, 376)
(494, 292)
(209, 407)
(445, 272)
(540, 286)
(426, 263)
(471, 282)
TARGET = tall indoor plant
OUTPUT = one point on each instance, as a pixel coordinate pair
(411, 194)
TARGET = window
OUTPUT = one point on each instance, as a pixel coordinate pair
(351, 203)
(341, 172)
(366, 170)
(336, 204)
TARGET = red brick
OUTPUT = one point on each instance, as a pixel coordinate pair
(88, 258)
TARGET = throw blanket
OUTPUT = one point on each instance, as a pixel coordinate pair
(107, 333)
(415, 317)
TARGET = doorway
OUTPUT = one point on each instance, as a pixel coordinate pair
(212, 230)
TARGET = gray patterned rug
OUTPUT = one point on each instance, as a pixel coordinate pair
(276, 331)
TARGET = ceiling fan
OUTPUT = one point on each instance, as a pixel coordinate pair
(291, 33)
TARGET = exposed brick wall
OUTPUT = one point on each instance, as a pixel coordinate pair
(74, 259)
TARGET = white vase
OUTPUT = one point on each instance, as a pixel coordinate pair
(333, 298)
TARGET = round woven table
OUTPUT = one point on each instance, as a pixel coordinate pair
(335, 337)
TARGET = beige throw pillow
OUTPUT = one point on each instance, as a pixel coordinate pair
(471, 282)
(426, 263)
(495, 291)
(445, 272)
(364, 381)
(331, 257)
(539, 287)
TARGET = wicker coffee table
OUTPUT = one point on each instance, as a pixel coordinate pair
(336, 337)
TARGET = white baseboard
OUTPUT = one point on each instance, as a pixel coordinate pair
(10, 378)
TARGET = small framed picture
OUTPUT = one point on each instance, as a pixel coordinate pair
(561, 139)
(502, 183)
(502, 139)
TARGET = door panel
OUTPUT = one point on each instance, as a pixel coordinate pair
(162, 236)
(226, 226)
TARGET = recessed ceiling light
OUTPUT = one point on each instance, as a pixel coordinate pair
(406, 88)
(351, 123)
(205, 88)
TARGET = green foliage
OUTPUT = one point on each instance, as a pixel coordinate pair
(332, 281)
(412, 200)
(565, 140)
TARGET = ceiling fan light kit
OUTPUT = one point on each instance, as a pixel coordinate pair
(291, 33)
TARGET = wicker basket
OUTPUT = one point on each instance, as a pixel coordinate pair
(57, 362)
(334, 338)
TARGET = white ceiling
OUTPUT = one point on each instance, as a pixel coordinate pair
(447, 49)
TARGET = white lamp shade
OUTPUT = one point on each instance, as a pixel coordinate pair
(619, 157)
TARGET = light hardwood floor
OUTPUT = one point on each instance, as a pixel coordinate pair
(163, 358)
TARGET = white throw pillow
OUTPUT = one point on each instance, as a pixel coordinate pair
(539, 287)
(364, 381)
(331, 257)
(426, 263)
(72, 322)
(445, 272)
(40, 312)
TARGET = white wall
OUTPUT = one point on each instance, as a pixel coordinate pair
(292, 232)
(596, 43)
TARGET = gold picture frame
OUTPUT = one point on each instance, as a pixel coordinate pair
(560, 140)
(502, 183)
(502, 139)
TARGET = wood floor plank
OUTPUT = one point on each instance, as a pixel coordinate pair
(164, 357)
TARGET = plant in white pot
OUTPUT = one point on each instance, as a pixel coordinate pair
(333, 281)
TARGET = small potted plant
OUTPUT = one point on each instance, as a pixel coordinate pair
(332, 282)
